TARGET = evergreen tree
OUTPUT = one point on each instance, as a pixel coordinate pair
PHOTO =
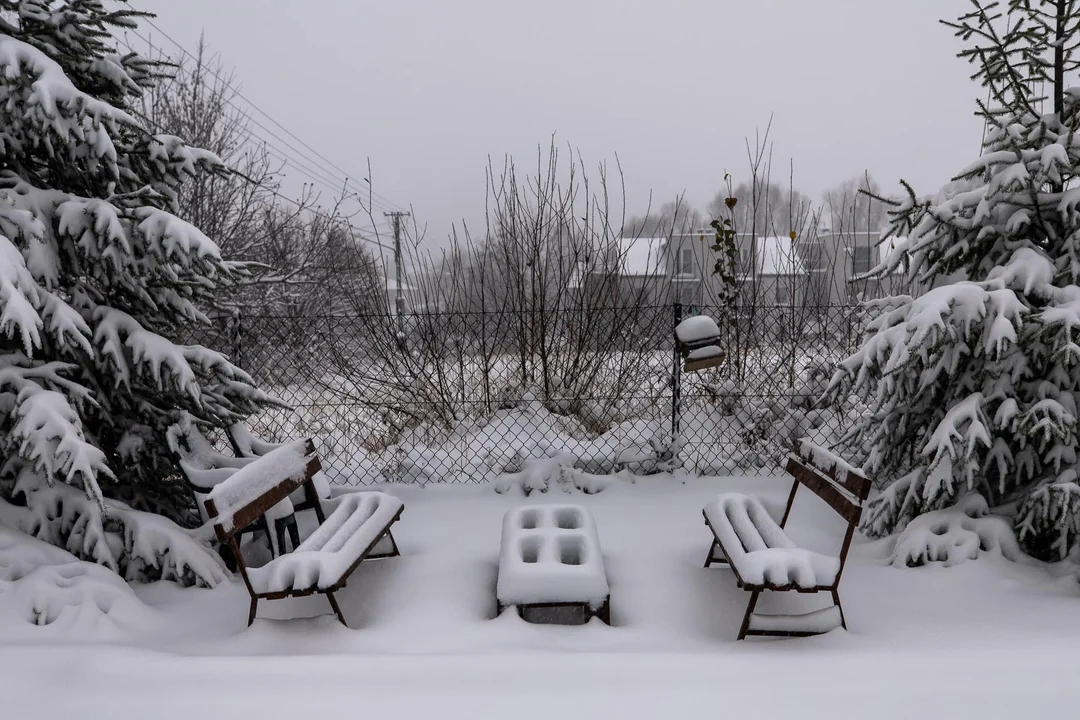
(973, 386)
(97, 273)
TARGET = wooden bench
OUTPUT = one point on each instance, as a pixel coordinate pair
(762, 555)
(323, 562)
(203, 467)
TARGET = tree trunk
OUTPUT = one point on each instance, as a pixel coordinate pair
(1059, 60)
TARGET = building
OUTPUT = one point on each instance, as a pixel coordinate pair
(838, 265)
(770, 270)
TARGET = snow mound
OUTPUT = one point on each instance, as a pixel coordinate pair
(557, 471)
(759, 549)
(955, 535)
(551, 554)
(45, 589)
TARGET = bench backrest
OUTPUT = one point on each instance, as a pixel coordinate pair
(244, 444)
(249, 509)
(829, 477)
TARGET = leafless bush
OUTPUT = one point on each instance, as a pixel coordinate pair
(536, 305)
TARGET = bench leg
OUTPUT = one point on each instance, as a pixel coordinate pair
(336, 607)
(836, 601)
(605, 611)
(251, 612)
(712, 555)
(393, 544)
(749, 611)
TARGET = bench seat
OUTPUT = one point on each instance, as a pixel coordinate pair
(761, 553)
(324, 560)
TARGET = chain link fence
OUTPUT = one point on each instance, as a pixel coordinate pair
(459, 397)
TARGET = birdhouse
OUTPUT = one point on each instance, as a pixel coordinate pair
(697, 339)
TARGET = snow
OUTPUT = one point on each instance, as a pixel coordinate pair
(705, 352)
(696, 328)
(760, 550)
(827, 461)
(642, 257)
(47, 591)
(954, 535)
(541, 474)
(251, 446)
(988, 639)
(248, 443)
(817, 621)
(323, 558)
(248, 483)
(138, 545)
(550, 554)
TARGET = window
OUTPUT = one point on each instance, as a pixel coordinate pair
(814, 254)
(684, 264)
(862, 259)
(743, 266)
(783, 291)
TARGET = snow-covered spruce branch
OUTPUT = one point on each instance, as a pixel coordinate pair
(139, 546)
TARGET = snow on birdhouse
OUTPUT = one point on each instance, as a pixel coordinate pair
(698, 341)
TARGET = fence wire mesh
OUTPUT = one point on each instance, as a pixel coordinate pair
(460, 397)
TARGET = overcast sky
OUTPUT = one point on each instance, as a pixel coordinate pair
(427, 89)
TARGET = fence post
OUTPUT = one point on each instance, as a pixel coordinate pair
(676, 381)
(238, 337)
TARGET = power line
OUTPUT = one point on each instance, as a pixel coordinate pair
(239, 94)
(317, 176)
(285, 158)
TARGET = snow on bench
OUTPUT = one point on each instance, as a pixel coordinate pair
(245, 485)
(762, 555)
(816, 622)
(359, 525)
(759, 549)
(551, 557)
(326, 557)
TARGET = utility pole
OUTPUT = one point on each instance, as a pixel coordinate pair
(399, 297)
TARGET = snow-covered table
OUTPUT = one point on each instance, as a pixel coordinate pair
(550, 565)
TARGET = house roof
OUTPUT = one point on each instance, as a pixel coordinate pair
(642, 257)
(777, 256)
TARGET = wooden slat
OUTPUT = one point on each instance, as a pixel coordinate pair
(345, 576)
(246, 515)
(823, 487)
(703, 363)
(853, 481)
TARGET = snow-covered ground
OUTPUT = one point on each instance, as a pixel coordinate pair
(987, 639)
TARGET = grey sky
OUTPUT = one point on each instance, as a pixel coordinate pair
(427, 89)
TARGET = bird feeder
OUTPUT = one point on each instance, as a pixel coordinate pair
(697, 340)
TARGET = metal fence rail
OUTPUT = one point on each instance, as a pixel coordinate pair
(468, 396)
